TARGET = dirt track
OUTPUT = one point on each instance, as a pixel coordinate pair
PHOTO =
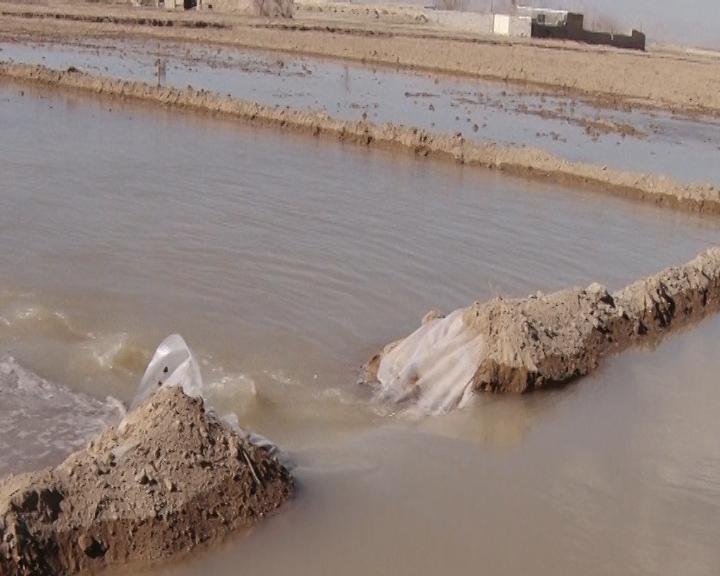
(527, 162)
(687, 83)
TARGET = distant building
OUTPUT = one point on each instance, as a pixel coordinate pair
(564, 25)
(544, 15)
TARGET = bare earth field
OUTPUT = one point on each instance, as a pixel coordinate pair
(674, 80)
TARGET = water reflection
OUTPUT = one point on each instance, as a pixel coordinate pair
(161, 68)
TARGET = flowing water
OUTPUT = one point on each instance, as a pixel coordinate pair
(285, 262)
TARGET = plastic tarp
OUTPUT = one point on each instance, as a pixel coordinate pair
(175, 365)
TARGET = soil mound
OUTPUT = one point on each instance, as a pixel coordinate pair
(543, 340)
(170, 477)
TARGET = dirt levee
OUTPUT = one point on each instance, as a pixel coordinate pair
(168, 478)
(543, 340)
(526, 162)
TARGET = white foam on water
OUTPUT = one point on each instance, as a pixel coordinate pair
(225, 385)
(41, 422)
(430, 372)
(104, 350)
(20, 317)
(52, 342)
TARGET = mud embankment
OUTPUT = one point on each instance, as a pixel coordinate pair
(170, 477)
(526, 162)
(541, 341)
(165, 22)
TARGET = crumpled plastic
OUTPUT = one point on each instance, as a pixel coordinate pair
(175, 365)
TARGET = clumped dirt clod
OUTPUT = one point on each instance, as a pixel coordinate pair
(170, 477)
(551, 339)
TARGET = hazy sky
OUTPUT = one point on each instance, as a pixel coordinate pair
(687, 22)
(691, 22)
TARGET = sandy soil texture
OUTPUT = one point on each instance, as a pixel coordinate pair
(551, 339)
(525, 162)
(679, 81)
(170, 477)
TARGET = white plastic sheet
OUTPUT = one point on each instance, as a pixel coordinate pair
(430, 372)
(174, 365)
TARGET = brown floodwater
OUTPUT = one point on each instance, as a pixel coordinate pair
(284, 262)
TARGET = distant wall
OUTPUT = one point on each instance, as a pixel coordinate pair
(634, 41)
(543, 15)
(574, 30)
(520, 27)
(481, 23)
(501, 25)
(463, 21)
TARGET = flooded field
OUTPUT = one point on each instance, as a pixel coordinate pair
(285, 261)
(653, 142)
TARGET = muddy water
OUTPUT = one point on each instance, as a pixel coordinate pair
(284, 262)
(648, 142)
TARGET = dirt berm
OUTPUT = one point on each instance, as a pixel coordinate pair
(526, 162)
(170, 477)
(547, 340)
